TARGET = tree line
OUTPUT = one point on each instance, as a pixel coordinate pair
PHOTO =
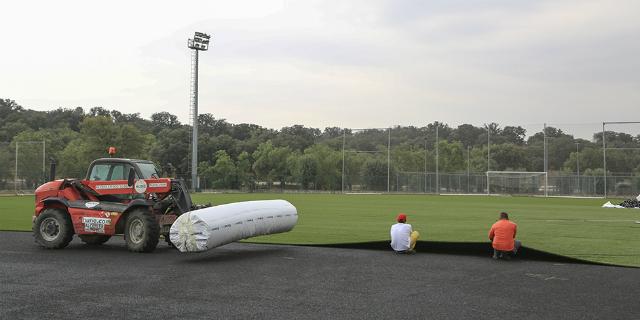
(241, 156)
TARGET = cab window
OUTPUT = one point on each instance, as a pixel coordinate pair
(100, 172)
(110, 171)
(117, 172)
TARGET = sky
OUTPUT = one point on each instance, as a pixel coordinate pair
(359, 64)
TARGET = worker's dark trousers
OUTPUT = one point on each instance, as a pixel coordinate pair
(500, 254)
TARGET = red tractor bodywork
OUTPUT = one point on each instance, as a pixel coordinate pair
(80, 209)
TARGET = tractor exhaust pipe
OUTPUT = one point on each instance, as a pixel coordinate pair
(52, 169)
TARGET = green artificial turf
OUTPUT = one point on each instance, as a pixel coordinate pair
(16, 212)
(577, 228)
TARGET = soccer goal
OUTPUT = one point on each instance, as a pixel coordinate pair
(517, 183)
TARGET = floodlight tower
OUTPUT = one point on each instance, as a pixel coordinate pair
(200, 42)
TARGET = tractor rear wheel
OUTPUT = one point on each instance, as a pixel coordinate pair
(142, 231)
(53, 229)
(94, 239)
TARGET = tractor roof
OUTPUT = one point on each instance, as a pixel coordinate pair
(121, 160)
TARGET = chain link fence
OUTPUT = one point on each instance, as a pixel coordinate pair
(460, 183)
(22, 166)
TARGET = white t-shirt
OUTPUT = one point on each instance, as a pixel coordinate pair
(400, 236)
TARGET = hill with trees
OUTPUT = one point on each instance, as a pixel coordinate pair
(237, 156)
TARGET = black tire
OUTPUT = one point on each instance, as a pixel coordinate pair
(53, 229)
(94, 239)
(142, 231)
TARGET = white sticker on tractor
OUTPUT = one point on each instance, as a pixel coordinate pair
(158, 185)
(140, 186)
(111, 186)
(91, 204)
(95, 224)
(109, 214)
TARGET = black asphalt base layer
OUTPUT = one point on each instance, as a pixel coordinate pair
(253, 281)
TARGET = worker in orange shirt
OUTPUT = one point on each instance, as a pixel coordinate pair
(503, 238)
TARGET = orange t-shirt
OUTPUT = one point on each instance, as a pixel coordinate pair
(503, 234)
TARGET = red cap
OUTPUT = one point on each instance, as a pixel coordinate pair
(402, 217)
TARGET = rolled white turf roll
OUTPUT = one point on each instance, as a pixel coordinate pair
(207, 228)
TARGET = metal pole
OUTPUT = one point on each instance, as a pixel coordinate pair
(389, 162)
(468, 166)
(437, 162)
(488, 148)
(578, 163)
(545, 161)
(344, 137)
(44, 170)
(194, 146)
(15, 179)
(488, 156)
(604, 160)
(425, 165)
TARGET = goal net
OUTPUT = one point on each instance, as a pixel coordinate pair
(517, 183)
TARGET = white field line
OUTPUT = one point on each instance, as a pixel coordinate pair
(570, 197)
(593, 220)
(474, 194)
(366, 193)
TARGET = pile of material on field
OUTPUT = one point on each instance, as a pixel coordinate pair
(630, 203)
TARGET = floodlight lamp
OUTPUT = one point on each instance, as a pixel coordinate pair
(200, 41)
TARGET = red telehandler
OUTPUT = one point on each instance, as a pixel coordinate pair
(117, 196)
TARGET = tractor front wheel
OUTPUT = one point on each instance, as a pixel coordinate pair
(94, 239)
(53, 229)
(141, 231)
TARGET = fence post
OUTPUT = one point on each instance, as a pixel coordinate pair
(15, 181)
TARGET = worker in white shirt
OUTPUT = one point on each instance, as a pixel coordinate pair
(403, 237)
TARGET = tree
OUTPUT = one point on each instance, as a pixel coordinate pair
(514, 135)
(307, 171)
(322, 166)
(172, 147)
(207, 123)
(332, 132)
(508, 157)
(99, 112)
(96, 135)
(468, 134)
(70, 118)
(375, 174)
(224, 171)
(271, 163)
(444, 133)
(451, 157)
(164, 120)
(6, 158)
(296, 137)
(245, 175)
(8, 107)
(406, 157)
